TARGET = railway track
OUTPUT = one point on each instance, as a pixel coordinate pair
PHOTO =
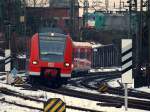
(111, 90)
(83, 81)
(20, 105)
(138, 104)
(17, 94)
(118, 91)
(133, 103)
(131, 93)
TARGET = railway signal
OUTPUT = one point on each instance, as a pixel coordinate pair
(126, 60)
(7, 60)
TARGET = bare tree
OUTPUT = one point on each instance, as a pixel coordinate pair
(37, 3)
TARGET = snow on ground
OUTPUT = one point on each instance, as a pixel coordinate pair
(111, 69)
(21, 56)
(1, 57)
(81, 89)
(38, 94)
(144, 89)
(115, 83)
(24, 102)
(4, 107)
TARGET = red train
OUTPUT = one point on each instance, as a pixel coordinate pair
(53, 57)
(82, 56)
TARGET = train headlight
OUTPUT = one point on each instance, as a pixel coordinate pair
(67, 64)
(52, 34)
(35, 62)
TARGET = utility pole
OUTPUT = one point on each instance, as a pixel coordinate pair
(130, 7)
(139, 35)
(136, 34)
(34, 3)
(72, 17)
(120, 6)
(148, 23)
(140, 28)
(85, 11)
(86, 6)
(107, 4)
(132, 11)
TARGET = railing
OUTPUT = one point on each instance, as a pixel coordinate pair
(105, 56)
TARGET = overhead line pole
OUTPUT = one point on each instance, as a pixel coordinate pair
(72, 17)
(148, 23)
(120, 6)
(85, 11)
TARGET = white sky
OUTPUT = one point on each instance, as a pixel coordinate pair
(97, 4)
(111, 2)
(100, 4)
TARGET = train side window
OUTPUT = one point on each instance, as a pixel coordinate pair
(83, 55)
(86, 55)
(89, 55)
(75, 54)
(78, 53)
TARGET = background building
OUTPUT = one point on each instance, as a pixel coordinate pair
(57, 15)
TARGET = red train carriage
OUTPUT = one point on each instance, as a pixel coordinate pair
(50, 56)
(82, 56)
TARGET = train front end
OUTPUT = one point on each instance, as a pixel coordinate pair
(50, 56)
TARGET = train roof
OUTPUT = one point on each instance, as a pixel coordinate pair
(51, 29)
(97, 45)
(53, 34)
(82, 44)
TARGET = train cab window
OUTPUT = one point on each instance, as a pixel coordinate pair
(52, 49)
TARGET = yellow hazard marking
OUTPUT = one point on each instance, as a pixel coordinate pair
(56, 106)
(62, 108)
(103, 88)
(49, 105)
(18, 80)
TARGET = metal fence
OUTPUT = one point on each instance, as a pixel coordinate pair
(106, 56)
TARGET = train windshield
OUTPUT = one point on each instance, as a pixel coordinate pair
(52, 49)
